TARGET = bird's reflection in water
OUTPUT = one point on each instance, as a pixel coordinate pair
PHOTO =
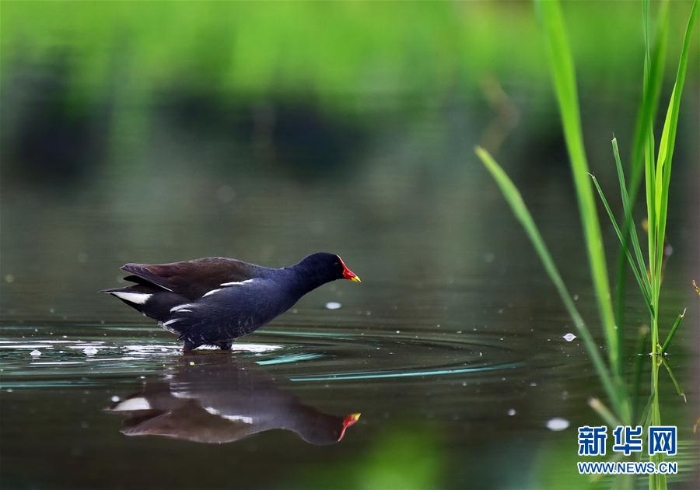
(218, 399)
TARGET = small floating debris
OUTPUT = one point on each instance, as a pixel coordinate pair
(333, 305)
(90, 351)
(557, 423)
(511, 412)
(35, 353)
(569, 337)
(115, 399)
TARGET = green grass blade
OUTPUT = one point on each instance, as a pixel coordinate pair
(644, 145)
(672, 333)
(679, 390)
(654, 61)
(668, 139)
(638, 364)
(564, 78)
(514, 199)
(604, 412)
(632, 264)
(628, 206)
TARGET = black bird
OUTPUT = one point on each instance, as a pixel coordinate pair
(215, 300)
(222, 399)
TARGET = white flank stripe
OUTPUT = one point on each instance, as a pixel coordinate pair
(239, 418)
(184, 307)
(212, 292)
(170, 322)
(237, 283)
(136, 298)
(212, 410)
(181, 394)
(132, 404)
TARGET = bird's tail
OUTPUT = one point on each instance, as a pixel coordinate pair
(151, 301)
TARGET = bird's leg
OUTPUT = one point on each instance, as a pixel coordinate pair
(188, 348)
(225, 345)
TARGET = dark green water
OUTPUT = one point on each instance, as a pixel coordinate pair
(452, 348)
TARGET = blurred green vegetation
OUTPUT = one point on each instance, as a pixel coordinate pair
(403, 456)
(329, 49)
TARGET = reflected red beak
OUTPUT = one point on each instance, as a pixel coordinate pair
(347, 422)
(348, 274)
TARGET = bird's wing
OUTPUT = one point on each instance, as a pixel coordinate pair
(228, 312)
(190, 422)
(193, 278)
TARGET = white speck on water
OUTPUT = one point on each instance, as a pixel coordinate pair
(459, 331)
(52, 310)
(557, 423)
(575, 297)
(35, 353)
(90, 351)
(500, 311)
(533, 384)
(115, 399)
(398, 331)
(9, 278)
(569, 337)
(511, 412)
(333, 305)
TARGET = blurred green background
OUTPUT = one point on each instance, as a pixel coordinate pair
(296, 81)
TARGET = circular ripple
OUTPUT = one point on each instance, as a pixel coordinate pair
(301, 355)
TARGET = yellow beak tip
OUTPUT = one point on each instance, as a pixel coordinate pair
(356, 279)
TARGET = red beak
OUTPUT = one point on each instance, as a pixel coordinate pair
(348, 274)
(347, 422)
